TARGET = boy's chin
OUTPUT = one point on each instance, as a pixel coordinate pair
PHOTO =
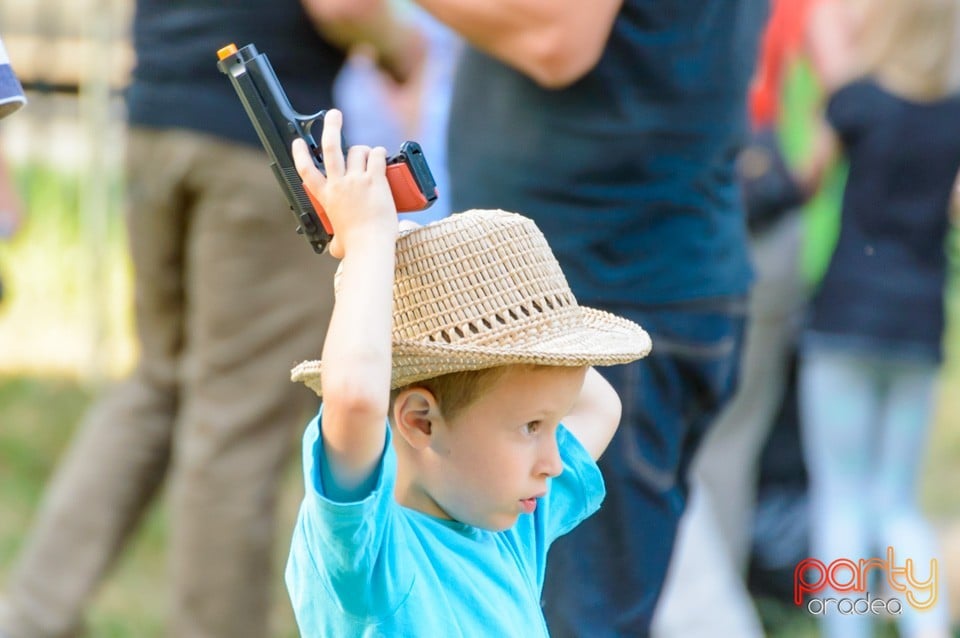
(498, 524)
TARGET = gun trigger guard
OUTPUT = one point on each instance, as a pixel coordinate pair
(306, 121)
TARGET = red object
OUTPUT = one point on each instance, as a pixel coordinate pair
(782, 40)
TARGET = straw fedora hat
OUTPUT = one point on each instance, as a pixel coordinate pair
(482, 289)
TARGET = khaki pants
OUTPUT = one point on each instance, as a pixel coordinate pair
(227, 298)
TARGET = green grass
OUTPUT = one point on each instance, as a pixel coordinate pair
(67, 288)
(39, 416)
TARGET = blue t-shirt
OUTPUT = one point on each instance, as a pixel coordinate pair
(376, 568)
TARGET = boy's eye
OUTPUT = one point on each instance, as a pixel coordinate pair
(532, 427)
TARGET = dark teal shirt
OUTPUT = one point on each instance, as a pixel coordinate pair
(176, 83)
(629, 171)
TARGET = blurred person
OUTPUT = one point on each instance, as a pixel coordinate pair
(378, 109)
(11, 206)
(11, 92)
(11, 99)
(706, 592)
(872, 346)
(615, 126)
(431, 107)
(227, 297)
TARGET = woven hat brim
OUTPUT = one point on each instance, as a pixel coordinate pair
(601, 339)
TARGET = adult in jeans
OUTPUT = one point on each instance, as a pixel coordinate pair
(227, 297)
(623, 118)
(706, 593)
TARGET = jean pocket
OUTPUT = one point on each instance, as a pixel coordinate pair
(671, 397)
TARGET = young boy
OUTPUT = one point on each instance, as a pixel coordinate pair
(438, 472)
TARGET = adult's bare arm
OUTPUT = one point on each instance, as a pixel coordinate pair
(397, 47)
(554, 42)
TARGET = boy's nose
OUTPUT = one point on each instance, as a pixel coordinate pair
(549, 463)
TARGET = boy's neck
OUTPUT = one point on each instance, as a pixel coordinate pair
(410, 493)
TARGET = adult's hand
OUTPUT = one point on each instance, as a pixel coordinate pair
(554, 42)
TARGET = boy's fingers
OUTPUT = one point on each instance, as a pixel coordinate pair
(357, 159)
(377, 160)
(303, 162)
(336, 251)
(407, 224)
(330, 143)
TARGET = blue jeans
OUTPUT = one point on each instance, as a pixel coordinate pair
(604, 578)
(866, 419)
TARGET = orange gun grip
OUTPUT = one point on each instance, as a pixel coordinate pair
(322, 214)
(406, 194)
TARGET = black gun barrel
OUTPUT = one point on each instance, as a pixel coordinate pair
(277, 124)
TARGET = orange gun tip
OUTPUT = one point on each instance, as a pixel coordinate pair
(226, 51)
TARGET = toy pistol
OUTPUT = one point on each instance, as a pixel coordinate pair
(278, 125)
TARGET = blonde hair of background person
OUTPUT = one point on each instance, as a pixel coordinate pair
(908, 46)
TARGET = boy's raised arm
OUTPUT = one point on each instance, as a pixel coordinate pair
(595, 416)
(357, 352)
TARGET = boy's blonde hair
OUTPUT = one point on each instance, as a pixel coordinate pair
(456, 391)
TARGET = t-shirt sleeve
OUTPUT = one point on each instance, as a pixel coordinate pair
(848, 110)
(336, 550)
(573, 495)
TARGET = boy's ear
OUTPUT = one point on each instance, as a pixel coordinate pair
(416, 414)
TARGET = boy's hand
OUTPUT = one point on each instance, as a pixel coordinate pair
(357, 350)
(354, 193)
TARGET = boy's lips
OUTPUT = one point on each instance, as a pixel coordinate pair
(529, 505)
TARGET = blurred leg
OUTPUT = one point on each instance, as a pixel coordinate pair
(729, 457)
(838, 402)
(705, 595)
(713, 545)
(902, 436)
(258, 302)
(121, 451)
